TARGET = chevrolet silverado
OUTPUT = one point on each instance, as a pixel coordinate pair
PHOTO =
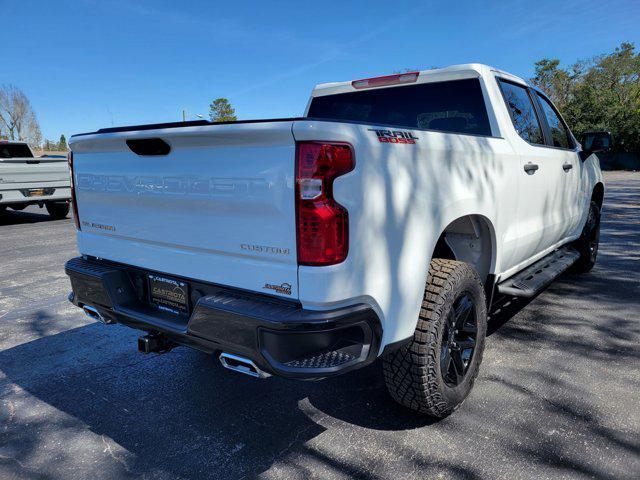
(385, 223)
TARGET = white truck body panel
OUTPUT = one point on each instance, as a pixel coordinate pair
(400, 198)
(218, 208)
(145, 211)
(17, 176)
(23, 174)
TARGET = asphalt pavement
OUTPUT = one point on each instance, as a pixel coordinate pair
(558, 395)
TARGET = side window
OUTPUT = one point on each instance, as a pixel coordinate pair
(523, 113)
(559, 132)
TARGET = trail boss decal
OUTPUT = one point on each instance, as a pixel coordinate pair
(394, 136)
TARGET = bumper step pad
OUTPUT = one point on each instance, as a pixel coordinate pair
(536, 277)
(330, 359)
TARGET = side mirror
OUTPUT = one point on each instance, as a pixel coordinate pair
(595, 142)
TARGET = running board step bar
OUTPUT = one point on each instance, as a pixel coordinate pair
(535, 277)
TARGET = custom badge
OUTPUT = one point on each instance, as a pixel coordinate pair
(284, 288)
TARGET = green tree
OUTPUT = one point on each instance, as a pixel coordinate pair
(62, 144)
(221, 110)
(597, 94)
(554, 81)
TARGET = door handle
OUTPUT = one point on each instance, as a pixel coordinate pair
(531, 167)
(567, 166)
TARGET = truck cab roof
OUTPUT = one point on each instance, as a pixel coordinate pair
(453, 72)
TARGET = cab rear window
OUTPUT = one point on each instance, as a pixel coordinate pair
(14, 150)
(455, 106)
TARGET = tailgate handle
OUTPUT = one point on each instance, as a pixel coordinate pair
(148, 146)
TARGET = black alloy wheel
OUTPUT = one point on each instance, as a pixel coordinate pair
(589, 241)
(434, 372)
(458, 340)
(592, 233)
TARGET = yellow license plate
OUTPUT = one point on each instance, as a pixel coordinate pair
(36, 192)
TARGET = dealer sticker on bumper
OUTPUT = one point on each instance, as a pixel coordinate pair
(169, 294)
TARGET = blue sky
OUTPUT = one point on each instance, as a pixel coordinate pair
(87, 64)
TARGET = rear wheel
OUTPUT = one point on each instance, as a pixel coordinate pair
(58, 211)
(434, 373)
(589, 241)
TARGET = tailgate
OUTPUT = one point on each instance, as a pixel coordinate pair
(23, 172)
(219, 207)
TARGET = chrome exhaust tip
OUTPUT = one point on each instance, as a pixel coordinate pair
(242, 365)
(94, 314)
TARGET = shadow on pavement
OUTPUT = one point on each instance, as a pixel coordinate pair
(182, 415)
(20, 217)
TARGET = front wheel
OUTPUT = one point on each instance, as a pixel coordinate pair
(435, 371)
(58, 211)
(589, 241)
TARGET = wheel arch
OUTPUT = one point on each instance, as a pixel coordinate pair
(472, 239)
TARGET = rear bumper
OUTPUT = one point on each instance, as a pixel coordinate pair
(280, 337)
(20, 195)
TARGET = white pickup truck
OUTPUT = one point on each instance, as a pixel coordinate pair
(384, 223)
(27, 180)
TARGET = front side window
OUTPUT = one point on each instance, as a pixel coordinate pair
(523, 113)
(559, 133)
(455, 106)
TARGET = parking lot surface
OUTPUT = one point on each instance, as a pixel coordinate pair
(558, 394)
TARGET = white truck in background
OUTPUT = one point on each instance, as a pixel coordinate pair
(29, 180)
(384, 223)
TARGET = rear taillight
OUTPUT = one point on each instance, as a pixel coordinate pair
(322, 223)
(74, 204)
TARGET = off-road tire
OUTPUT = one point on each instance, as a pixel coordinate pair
(413, 373)
(58, 211)
(589, 241)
